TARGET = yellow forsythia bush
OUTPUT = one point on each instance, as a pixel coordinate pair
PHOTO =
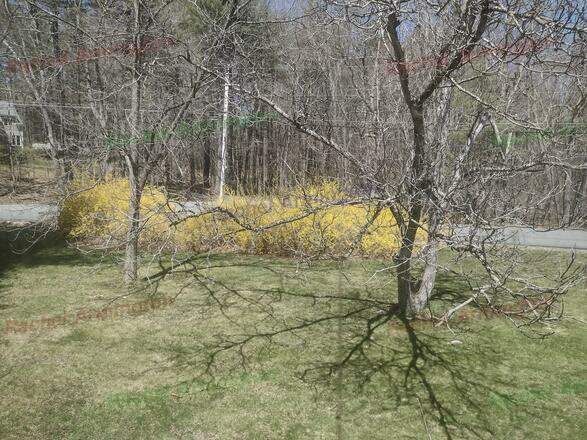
(305, 222)
(100, 209)
(302, 223)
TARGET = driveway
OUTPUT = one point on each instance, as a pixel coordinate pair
(32, 213)
(562, 238)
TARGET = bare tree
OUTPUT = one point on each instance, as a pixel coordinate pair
(474, 43)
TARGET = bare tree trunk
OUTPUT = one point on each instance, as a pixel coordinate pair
(403, 262)
(134, 226)
(13, 166)
(168, 172)
(64, 168)
(581, 197)
(224, 138)
(264, 161)
(421, 298)
(572, 195)
(191, 172)
(206, 163)
(136, 183)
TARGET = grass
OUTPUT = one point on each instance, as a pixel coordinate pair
(148, 375)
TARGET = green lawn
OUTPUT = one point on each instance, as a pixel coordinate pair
(150, 375)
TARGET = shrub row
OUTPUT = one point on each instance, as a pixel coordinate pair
(309, 222)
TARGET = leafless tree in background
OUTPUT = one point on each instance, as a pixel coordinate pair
(462, 70)
(436, 112)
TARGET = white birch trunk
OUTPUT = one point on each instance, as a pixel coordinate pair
(224, 138)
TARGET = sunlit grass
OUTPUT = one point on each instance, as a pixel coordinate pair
(141, 376)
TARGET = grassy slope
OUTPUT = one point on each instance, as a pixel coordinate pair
(139, 377)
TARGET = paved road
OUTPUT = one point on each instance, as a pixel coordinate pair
(34, 213)
(31, 213)
(566, 239)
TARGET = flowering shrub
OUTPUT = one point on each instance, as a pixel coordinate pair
(101, 210)
(312, 221)
(309, 221)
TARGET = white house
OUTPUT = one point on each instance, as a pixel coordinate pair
(11, 124)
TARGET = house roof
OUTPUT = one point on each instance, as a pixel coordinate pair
(9, 109)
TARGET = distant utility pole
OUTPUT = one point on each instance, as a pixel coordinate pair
(222, 152)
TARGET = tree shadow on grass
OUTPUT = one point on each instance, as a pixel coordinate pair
(450, 288)
(446, 386)
(351, 341)
(35, 246)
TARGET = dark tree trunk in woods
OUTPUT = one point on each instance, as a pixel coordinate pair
(207, 162)
(168, 172)
(264, 162)
(191, 172)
